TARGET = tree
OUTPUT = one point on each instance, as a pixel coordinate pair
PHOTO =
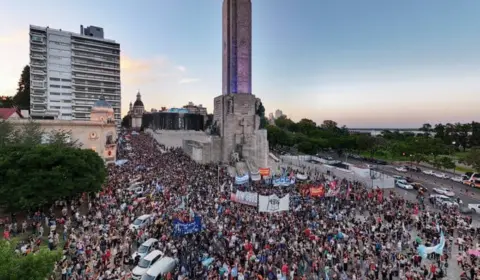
(426, 128)
(6, 133)
(34, 266)
(473, 159)
(62, 138)
(127, 121)
(462, 133)
(285, 123)
(22, 98)
(475, 137)
(6, 101)
(447, 162)
(35, 176)
(364, 142)
(306, 126)
(329, 125)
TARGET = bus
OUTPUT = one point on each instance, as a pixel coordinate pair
(473, 180)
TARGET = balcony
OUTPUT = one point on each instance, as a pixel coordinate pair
(37, 56)
(38, 64)
(38, 72)
(38, 43)
(95, 57)
(38, 85)
(38, 49)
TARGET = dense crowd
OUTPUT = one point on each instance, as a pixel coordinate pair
(359, 233)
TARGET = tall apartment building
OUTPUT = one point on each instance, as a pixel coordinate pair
(70, 71)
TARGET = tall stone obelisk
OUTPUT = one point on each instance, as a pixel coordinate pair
(235, 110)
(237, 46)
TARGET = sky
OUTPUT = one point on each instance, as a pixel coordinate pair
(363, 64)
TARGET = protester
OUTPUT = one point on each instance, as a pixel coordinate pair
(348, 231)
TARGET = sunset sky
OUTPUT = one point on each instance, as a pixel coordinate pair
(369, 63)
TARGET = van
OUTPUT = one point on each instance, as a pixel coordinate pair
(160, 268)
(146, 247)
(145, 263)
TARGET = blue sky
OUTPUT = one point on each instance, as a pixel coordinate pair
(366, 63)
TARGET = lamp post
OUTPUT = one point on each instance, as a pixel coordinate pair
(453, 143)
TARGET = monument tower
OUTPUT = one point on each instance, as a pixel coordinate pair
(235, 111)
(237, 46)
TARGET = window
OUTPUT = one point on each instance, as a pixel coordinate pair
(55, 101)
(66, 94)
(54, 86)
(54, 79)
(66, 80)
(67, 115)
(55, 107)
(67, 101)
(66, 87)
(54, 93)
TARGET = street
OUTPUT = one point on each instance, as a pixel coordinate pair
(465, 193)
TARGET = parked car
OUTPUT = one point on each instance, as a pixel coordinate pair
(443, 200)
(398, 177)
(428, 172)
(145, 263)
(413, 168)
(444, 191)
(457, 179)
(141, 222)
(401, 169)
(408, 179)
(403, 184)
(474, 207)
(419, 187)
(146, 247)
(441, 175)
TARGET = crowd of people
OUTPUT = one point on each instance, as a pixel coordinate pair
(358, 233)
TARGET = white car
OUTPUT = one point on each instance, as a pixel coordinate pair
(444, 191)
(401, 169)
(404, 185)
(444, 200)
(146, 248)
(141, 222)
(457, 179)
(145, 263)
(428, 172)
(441, 175)
(474, 207)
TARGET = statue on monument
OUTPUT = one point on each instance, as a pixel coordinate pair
(214, 129)
(235, 157)
(230, 106)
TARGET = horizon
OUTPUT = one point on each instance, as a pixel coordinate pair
(364, 65)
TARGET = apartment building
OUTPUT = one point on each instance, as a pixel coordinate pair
(70, 71)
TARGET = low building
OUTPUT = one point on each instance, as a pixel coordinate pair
(98, 134)
(10, 114)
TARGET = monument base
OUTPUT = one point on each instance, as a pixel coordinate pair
(235, 133)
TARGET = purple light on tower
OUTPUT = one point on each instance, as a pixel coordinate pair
(237, 46)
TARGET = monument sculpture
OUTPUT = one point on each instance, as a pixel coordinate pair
(235, 111)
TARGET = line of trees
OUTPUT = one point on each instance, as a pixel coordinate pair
(435, 145)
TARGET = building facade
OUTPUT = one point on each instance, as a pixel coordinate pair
(136, 112)
(237, 46)
(69, 72)
(99, 133)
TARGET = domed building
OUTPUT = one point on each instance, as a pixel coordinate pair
(102, 111)
(136, 112)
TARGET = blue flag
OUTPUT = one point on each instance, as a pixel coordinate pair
(181, 228)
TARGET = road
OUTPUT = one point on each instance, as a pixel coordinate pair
(465, 193)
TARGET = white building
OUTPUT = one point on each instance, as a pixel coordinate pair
(69, 72)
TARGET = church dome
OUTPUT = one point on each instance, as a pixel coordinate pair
(102, 103)
(138, 103)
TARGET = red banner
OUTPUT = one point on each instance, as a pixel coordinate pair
(264, 171)
(317, 192)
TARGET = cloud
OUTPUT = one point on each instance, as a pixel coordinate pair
(181, 68)
(188, 81)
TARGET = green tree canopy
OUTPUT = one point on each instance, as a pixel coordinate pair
(34, 176)
(473, 159)
(22, 97)
(37, 266)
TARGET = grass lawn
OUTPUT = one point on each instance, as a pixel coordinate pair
(386, 156)
(463, 169)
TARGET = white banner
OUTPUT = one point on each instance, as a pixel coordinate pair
(273, 203)
(248, 198)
